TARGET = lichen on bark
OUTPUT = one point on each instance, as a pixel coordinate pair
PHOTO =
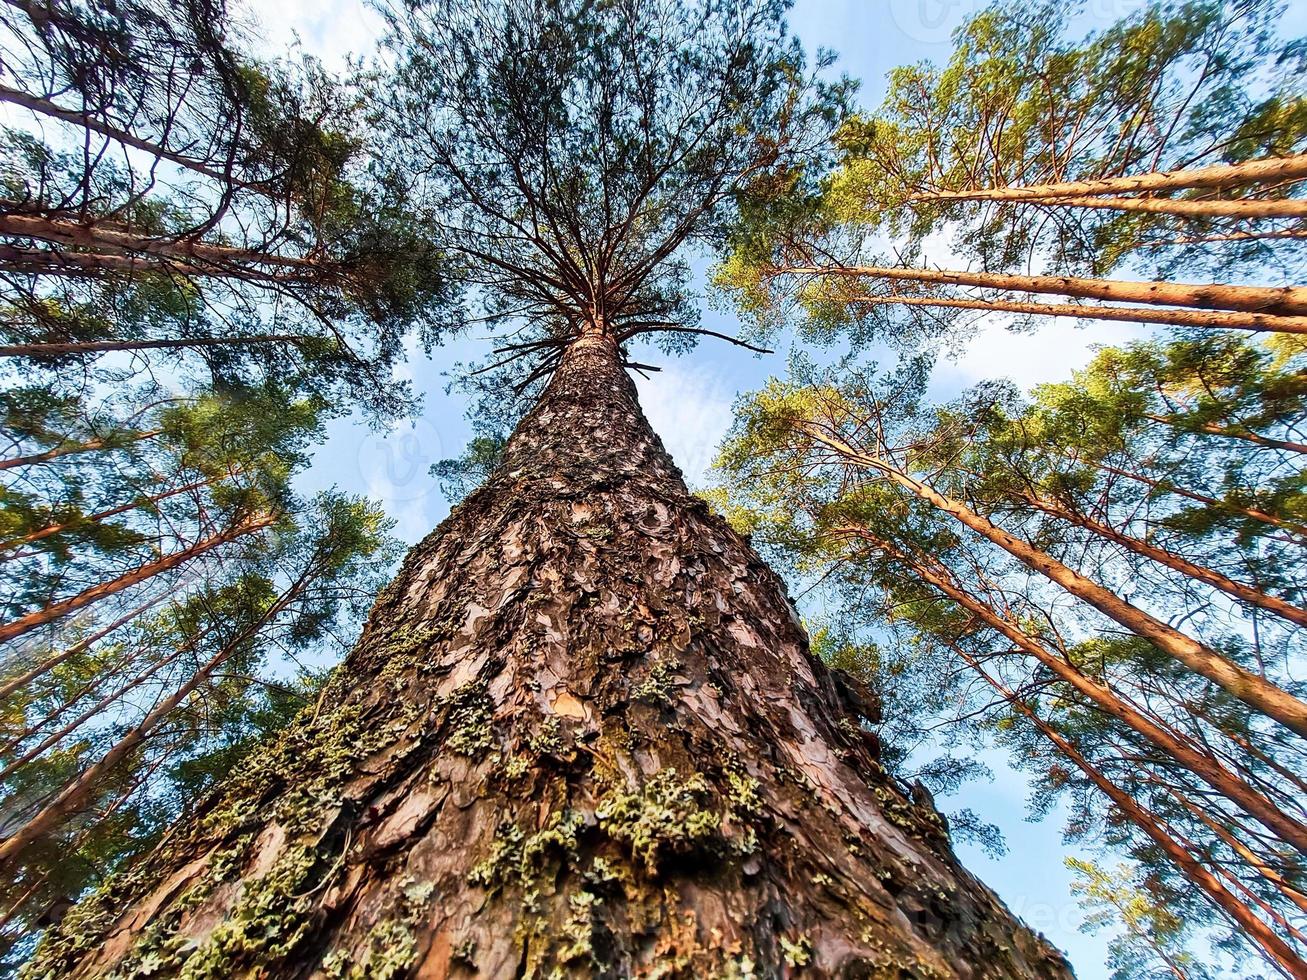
(581, 735)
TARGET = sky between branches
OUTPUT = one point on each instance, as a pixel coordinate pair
(689, 402)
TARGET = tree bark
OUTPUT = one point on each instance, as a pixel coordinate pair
(1280, 208)
(12, 684)
(101, 235)
(1252, 689)
(1245, 435)
(96, 125)
(142, 573)
(96, 518)
(582, 732)
(79, 790)
(1276, 300)
(1183, 318)
(1252, 513)
(1270, 170)
(1183, 752)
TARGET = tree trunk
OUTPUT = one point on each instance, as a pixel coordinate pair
(1218, 175)
(70, 450)
(93, 265)
(581, 735)
(1252, 513)
(94, 124)
(1252, 689)
(81, 788)
(1245, 853)
(142, 573)
(96, 518)
(102, 234)
(88, 265)
(104, 346)
(1178, 563)
(12, 684)
(1230, 236)
(1208, 319)
(1246, 435)
(1263, 936)
(1277, 300)
(1179, 749)
(1278, 208)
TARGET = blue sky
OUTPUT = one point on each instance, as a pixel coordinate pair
(689, 402)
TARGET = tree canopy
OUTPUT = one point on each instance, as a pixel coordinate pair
(570, 154)
(168, 195)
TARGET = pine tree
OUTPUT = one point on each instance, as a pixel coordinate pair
(1022, 157)
(156, 579)
(104, 749)
(963, 530)
(199, 209)
(583, 731)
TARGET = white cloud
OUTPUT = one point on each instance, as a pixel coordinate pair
(689, 406)
(329, 29)
(1048, 354)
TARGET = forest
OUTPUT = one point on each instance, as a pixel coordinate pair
(577, 705)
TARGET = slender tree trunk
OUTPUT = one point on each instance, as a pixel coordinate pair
(93, 265)
(1262, 935)
(54, 737)
(582, 732)
(1244, 593)
(1244, 435)
(81, 788)
(50, 663)
(52, 529)
(81, 447)
(1252, 689)
(1279, 208)
(103, 346)
(94, 124)
(142, 573)
(1246, 854)
(1252, 513)
(1232, 236)
(1276, 300)
(88, 265)
(103, 235)
(1272, 170)
(1209, 770)
(1184, 318)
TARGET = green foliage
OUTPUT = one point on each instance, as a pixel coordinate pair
(1021, 101)
(584, 153)
(1152, 944)
(254, 621)
(459, 477)
(1185, 444)
(253, 231)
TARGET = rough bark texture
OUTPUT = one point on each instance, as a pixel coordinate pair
(581, 735)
